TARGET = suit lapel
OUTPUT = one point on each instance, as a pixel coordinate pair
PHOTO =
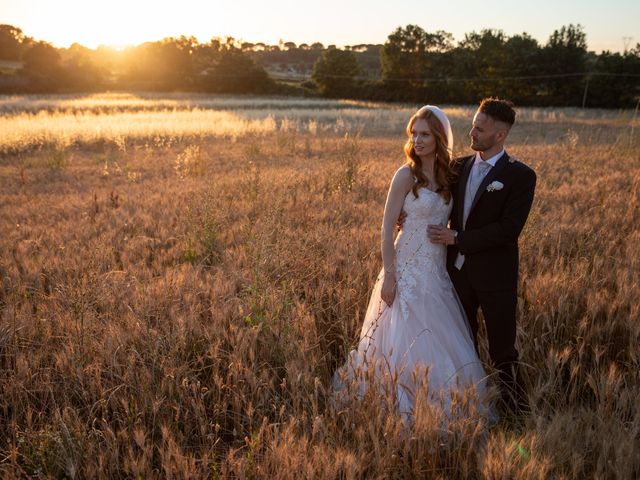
(493, 173)
(462, 186)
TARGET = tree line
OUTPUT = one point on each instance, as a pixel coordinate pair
(411, 66)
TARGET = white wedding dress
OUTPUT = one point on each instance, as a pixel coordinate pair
(425, 329)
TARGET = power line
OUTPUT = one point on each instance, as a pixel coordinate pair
(468, 79)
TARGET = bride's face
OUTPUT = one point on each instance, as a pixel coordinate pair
(422, 139)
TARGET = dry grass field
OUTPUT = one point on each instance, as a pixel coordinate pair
(180, 276)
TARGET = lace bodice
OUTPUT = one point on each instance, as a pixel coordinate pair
(416, 256)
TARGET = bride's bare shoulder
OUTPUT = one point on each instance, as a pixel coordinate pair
(403, 177)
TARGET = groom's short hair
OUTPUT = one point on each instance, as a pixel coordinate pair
(498, 109)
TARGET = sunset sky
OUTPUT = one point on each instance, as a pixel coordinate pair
(608, 24)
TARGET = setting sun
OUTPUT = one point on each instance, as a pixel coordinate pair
(117, 23)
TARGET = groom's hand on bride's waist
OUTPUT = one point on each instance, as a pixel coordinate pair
(441, 234)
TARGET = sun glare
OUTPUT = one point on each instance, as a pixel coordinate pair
(117, 30)
(117, 23)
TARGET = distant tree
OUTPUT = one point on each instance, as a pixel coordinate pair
(42, 67)
(615, 81)
(368, 57)
(569, 36)
(334, 73)
(481, 57)
(522, 55)
(404, 53)
(163, 65)
(186, 44)
(230, 41)
(565, 53)
(83, 69)
(362, 47)
(409, 55)
(12, 42)
(110, 58)
(489, 49)
(414, 65)
(523, 59)
(206, 55)
(232, 71)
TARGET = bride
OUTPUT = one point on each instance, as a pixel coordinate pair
(415, 323)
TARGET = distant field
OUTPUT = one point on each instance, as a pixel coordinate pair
(180, 276)
(35, 121)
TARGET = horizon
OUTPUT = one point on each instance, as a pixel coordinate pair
(608, 27)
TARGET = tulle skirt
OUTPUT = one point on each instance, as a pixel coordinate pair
(423, 341)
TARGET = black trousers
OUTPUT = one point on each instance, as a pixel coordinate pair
(499, 311)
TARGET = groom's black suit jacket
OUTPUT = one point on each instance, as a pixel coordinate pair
(490, 240)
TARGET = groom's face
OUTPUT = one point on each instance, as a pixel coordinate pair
(485, 132)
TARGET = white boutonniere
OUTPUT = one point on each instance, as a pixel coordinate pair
(495, 186)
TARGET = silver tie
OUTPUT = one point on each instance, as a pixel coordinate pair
(477, 174)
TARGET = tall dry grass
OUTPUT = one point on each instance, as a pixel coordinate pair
(176, 308)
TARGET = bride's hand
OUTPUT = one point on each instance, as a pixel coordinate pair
(388, 292)
(401, 219)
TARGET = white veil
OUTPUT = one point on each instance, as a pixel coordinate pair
(442, 117)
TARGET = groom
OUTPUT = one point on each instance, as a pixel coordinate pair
(492, 198)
